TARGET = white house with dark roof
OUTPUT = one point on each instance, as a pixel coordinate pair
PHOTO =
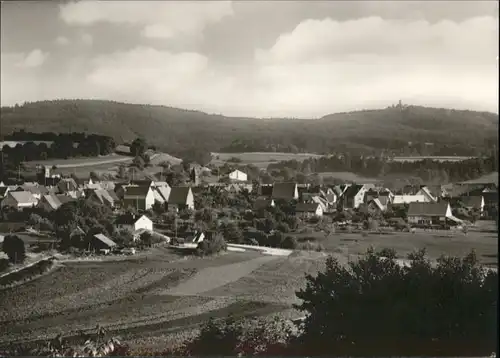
(429, 213)
(181, 197)
(307, 210)
(134, 222)
(138, 197)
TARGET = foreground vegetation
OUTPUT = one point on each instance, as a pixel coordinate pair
(371, 307)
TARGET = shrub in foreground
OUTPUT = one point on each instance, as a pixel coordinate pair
(377, 307)
(27, 273)
(14, 248)
(211, 245)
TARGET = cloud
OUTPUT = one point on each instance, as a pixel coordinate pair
(33, 59)
(159, 19)
(87, 39)
(318, 67)
(61, 40)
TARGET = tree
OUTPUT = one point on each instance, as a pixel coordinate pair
(232, 233)
(138, 147)
(377, 307)
(14, 248)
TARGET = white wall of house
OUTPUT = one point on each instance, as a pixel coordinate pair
(296, 193)
(150, 199)
(319, 211)
(407, 199)
(428, 197)
(238, 175)
(359, 198)
(190, 199)
(143, 223)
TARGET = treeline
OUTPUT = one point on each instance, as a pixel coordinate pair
(427, 170)
(51, 145)
(426, 131)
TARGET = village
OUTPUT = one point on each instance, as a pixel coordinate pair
(149, 211)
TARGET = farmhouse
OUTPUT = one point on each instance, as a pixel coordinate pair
(19, 200)
(139, 197)
(238, 175)
(102, 197)
(36, 190)
(354, 195)
(134, 223)
(181, 197)
(307, 210)
(285, 191)
(429, 213)
(49, 202)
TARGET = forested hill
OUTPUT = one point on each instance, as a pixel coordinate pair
(175, 130)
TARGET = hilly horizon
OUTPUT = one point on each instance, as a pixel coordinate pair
(176, 130)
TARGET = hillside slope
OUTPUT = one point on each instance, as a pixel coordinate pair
(175, 130)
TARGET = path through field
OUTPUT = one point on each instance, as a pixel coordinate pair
(213, 277)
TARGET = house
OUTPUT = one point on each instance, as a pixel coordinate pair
(19, 200)
(263, 204)
(102, 197)
(139, 197)
(429, 213)
(354, 195)
(101, 242)
(49, 202)
(164, 192)
(407, 199)
(134, 223)
(146, 182)
(123, 149)
(375, 206)
(438, 191)
(238, 175)
(238, 187)
(113, 196)
(181, 197)
(158, 198)
(307, 210)
(473, 202)
(329, 195)
(429, 197)
(314, 198)
(36, 190)
(197, 237)
(285, 191)
(66, 185)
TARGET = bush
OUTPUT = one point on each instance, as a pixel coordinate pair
(14, 248)
(377, 307)
(4, 264)
(26, 273)
(289, 243)
(211, 246)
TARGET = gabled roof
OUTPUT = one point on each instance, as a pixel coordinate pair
(23, 197)
(428, 209)
(377, 202)
(52, 200)
(266, 190)
(67, 184)
(179, 195)
(306, 207)
(159, 184)
(133, 192)
(158, 197)
(164, 191)
(113, 195)
(145, 182)
(472, 201)
(77, 231)
(3, 191)
(352, 190)
(284, 190)
(103, 196)
(34, 188)
(104, 239)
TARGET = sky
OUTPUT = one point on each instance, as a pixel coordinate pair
(253, 58)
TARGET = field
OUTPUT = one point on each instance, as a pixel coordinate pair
(349, 177)
(260, 159)
(146, 297)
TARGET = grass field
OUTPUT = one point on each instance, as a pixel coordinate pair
(348, 176)
(146, 297)
(260, 159)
